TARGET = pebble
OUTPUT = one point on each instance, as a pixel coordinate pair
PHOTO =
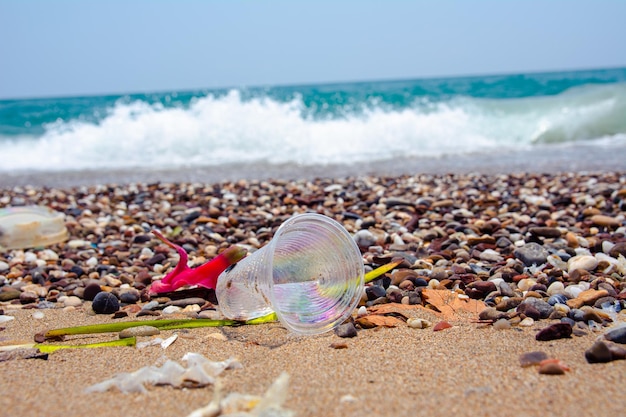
(346, 330)
(584, 262)
(554, 331)
(105, 303)
(532, 358)
(172, 309)
(605, 221)
(557, 299)
(417, 323)
(617, 335)
(552, 367)
(526, 322)
(139, 331)
(599, 352)
(71, 301)
(531, 254)
(442, 325)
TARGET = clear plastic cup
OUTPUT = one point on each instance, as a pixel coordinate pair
(310, 275)
(31, 226)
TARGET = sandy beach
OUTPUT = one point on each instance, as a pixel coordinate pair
(456, 232)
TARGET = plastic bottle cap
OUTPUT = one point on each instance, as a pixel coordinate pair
(31, 226)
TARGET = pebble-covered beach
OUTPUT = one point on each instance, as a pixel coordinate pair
(539, 255)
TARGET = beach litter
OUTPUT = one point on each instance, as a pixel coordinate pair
(246, 405)
(31, 226)
(198, 372)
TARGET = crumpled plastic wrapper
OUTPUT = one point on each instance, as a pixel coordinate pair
(199, 372)
(244, 405)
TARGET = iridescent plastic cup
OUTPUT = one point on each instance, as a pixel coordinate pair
(310, 275)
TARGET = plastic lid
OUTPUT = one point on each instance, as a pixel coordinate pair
(31, 226)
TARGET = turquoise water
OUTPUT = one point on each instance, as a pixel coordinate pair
(313, 124)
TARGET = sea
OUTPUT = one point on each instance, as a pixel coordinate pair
(315, 125)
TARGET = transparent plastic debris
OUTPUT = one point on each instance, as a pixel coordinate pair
(31, 226)
(199, 372)
(246, 405)
(310, 275)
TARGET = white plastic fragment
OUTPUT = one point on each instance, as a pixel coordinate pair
(151, 342)
(245, 405)
(167, 342)
(199, 372)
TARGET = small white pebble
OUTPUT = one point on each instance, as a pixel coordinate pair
(91, 262)
(362, 311)
(5, 318)
(527, 322)
(416, 323)
(348, 399)
(38, 315)
(30, 257)
(72, 301)
(171, 309)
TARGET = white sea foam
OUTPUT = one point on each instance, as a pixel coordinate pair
(228, 129)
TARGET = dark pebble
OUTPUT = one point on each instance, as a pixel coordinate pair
(576, 314)
(421, 282)
(551, 232)
(479, 289)
(543, 307)
(591, 315)
(28, 297)
(557, 298)
(91, 290)
(148, 313)
(599, 352)
(346, 330)
(414, 299)
(105, 303)
(617, 335)
(375, 291)
(120, 314)
(140, 239)
(554, 331)
(129, 297)
(618, 249)
(529, 311)
(192, 216)
(156, 259)
(184, 302)
(491, 313)
(77, 270)
(531, 254)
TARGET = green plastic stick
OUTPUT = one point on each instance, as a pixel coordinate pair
(372, 275)
(160, 324)
(129, 341)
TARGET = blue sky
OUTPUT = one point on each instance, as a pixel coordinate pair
(52, 48)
